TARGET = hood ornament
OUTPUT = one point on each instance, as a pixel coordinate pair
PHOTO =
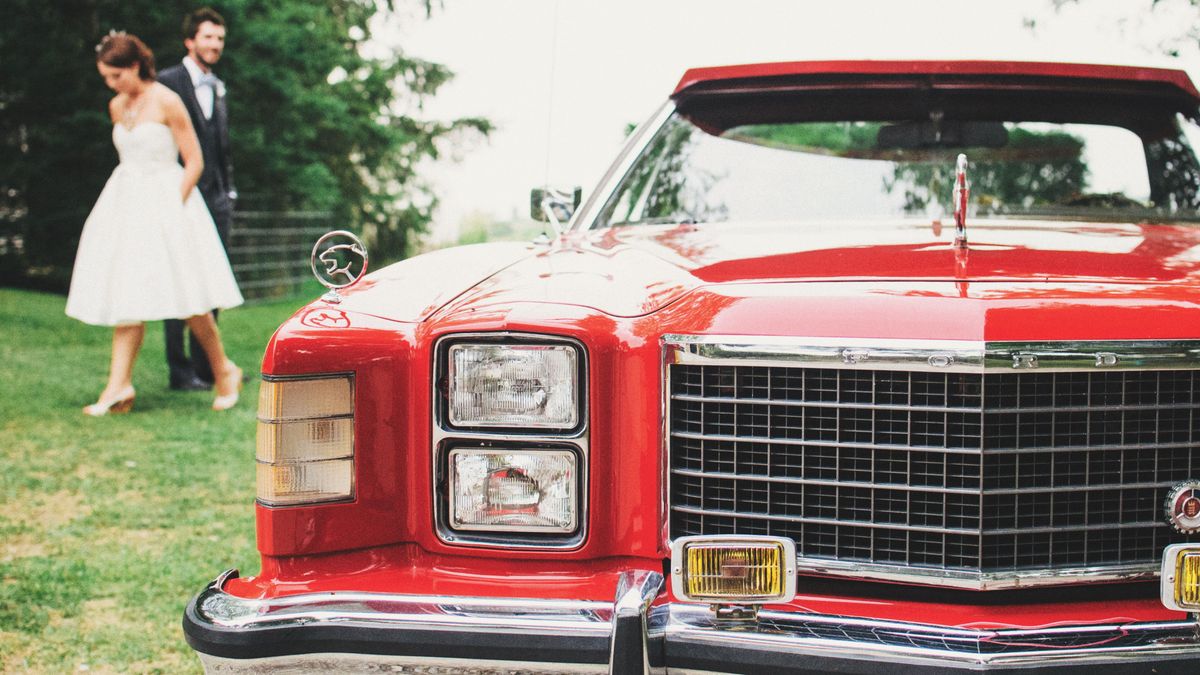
(343, 261)
(962, 190)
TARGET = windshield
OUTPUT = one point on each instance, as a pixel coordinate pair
(837, 170)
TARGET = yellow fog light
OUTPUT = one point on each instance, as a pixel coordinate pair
(733, 569)
(1181, 577)
(305, 448)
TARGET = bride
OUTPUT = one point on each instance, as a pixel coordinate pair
(149, 249)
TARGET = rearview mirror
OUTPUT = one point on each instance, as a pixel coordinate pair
(942, 134)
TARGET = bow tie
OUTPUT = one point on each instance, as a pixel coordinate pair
(209, 80)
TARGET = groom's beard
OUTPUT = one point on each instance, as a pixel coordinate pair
(205, 62)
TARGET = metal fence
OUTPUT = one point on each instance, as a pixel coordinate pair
(269, 250)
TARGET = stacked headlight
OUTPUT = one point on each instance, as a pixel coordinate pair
(305, 447)
(514, 385)
(511, 440)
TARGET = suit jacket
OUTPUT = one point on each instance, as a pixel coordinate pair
(216, 181)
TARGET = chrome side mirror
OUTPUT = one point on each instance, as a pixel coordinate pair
(554, 206)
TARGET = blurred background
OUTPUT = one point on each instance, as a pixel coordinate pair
(424, 123)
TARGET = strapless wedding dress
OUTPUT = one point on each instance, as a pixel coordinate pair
(145, 254)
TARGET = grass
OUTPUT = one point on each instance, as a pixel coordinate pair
(108, 526)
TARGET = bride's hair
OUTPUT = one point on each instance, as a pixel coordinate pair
(122, 50)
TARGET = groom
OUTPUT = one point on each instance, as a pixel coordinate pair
(204, 96)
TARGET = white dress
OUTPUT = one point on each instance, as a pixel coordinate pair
(144, 254)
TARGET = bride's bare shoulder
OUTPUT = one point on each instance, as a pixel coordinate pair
(166, 95)
(173, 110)
(115, 105)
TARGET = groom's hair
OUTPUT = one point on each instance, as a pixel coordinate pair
(191, 22)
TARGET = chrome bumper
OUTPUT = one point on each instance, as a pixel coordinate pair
(370, 632)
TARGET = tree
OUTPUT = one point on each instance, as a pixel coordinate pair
(315, 123)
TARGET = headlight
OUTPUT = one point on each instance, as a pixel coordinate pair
(305, 447)
(514, 490)
(514, 385)
(733, 569)
(1181, 577)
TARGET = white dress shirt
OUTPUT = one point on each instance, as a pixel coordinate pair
(204, 95)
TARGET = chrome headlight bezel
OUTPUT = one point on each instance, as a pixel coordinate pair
(447, 437)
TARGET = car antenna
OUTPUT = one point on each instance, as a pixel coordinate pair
(552, 221)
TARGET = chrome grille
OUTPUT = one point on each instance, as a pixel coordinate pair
(981, 473)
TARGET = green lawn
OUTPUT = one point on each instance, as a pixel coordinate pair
(108, 526)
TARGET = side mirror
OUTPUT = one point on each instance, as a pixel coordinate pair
(548, 205)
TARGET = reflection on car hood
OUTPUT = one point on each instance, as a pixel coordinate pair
(637, 270)
(996, 251)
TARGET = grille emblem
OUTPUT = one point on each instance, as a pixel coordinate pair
(1105, 359)
(855, 355)
(1183, 507)
(941, 360)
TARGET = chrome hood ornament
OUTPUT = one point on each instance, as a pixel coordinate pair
(962, 190)
(343, 261)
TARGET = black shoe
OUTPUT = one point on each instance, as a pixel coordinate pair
(190, 383)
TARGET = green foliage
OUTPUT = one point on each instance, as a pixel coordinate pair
(108, 526)
(315, 123)
(1034, 168)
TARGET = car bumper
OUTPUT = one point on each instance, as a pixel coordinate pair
(636, 632)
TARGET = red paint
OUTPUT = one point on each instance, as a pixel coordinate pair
(1175, 78)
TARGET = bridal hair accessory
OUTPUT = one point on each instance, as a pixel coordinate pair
(112, 33)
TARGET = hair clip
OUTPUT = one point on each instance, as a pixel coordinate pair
(112, 33)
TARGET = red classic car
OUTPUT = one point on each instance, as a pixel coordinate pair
(845, 366)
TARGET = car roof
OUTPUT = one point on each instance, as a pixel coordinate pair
(750, 77)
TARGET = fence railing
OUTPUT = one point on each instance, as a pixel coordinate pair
(270, 250)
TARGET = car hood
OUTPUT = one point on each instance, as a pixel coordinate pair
(633, 271)
(638, 270)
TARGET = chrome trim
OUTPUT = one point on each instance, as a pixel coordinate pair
(582, 618)
(636, 589)
(374, 664)
(961, 356)
(443, 436)
(641, 137)
(972, 580)
(681, 626)
(897, 642)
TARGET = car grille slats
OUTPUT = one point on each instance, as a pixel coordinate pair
(976, 472)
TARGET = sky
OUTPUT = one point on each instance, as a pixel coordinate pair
(562, 79)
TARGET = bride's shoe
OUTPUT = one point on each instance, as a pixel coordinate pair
(121, 403)
(227, 401)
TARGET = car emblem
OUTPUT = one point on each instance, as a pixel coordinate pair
(343, 261)
(1183, 507)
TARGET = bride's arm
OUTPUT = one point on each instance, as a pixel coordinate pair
(185, 138)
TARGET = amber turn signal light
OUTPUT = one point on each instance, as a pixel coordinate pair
(1180, 577)
(733, 569)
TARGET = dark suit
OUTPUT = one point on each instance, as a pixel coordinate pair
(216, 186)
